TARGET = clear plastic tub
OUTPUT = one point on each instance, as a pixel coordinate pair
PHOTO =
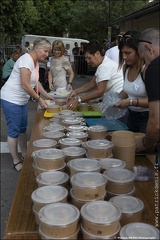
(56, 135)
(44, 143)
(53, 108)
(99, 148)
(83, 136)
(110, 194)
(59, 220)
(54, 127)
(52, 178)
(76, 128)
(67, 122)
(119, 180)
(83, 165)
(48, 159)
(69, 142)
(73, 152)
(97, 132)
(139, 231)
(131, 208)
(108, 163)
(48, 194)
(100, 218)
(66, 112)
(38, 170)
(88, 185)
(79, 203)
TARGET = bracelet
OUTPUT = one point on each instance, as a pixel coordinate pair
(130, 102)
(137, 102)
(143, 142)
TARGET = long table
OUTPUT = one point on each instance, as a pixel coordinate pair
(21, 222)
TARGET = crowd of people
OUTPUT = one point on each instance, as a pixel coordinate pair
(130, 68)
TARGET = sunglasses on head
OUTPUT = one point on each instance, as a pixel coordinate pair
(127, 38)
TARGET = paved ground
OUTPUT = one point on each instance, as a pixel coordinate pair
(9, 177)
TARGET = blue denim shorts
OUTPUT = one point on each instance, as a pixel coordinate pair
(16, 118)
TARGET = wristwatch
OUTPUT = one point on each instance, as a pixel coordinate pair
(79, 100)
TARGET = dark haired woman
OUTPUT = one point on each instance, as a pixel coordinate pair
(134, 96)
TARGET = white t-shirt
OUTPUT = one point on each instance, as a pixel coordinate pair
(12, 90)
(58, 68)
(108, 70)
(135, 89)
(113, 54)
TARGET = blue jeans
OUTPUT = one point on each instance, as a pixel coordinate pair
(137, 121)
(16, 118)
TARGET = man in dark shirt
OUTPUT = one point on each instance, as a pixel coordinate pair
(148, 48)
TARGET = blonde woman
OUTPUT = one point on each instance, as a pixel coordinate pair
(16, 93)
(59, 68)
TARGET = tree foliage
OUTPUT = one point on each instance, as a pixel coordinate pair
(80, 18)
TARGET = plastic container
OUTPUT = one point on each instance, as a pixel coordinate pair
(36, 215)
(83, 165)
(100, 218)
(73, 152)
(54, 127)
(69, 142)
(99, 148)
(45, 237)
(97, 132)
(48, 159)
(88, 185)
(87, 235)
(44, 143)
(83, 107)
(119, 180)
(76, 128)
(59, 220)
(66, 112)
(55, 135)
(67, 122)
(48, 194)
(79, 135)
(79, 203)
(38, 170)
(95, 107)
(60, 101)
(108, 163)
(109, 195)
(52, 179)
(139, 231)
(53, 108)
(131, 208)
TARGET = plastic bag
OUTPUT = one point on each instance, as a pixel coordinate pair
(107, 107)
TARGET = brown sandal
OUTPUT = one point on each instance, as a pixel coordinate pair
(14, 166)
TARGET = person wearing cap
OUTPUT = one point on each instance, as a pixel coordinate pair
(8, 66)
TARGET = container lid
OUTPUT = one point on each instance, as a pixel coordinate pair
(44, 143)
(139, 231)
(76, 128)
(78, 114)
(53, 134)
(119, 175)
(77, 134)
(88, 179)
(49, 194)
(108, 163)
(48, 153)
(58, 214)
(99, 144)
(52, 178)
(70, 141)
(69, 117)
(52, 105)
(74, 151)
(97, 128)
(56, 115)
(127, 204)
(66, 112)
(53, 127)
(84, 164)
(71, 121)
(100, 212)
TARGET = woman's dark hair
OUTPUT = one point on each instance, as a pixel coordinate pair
(92, 47)
(130, 40)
